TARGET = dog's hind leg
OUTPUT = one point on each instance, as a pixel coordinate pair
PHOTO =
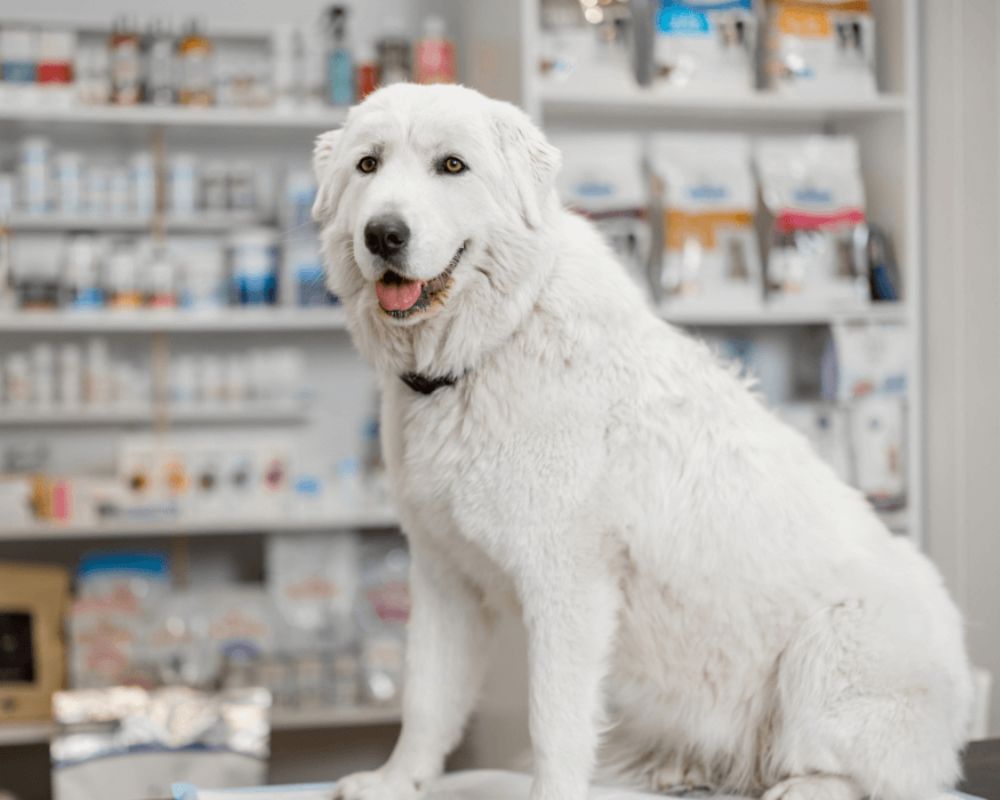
(865, 709)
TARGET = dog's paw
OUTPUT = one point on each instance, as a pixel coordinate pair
(814, 787)
(374, 786)
(676, 782)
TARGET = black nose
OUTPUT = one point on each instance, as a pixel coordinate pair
(386, 235)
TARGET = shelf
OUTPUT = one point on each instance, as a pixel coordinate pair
(282, 719)
(362, 518)
(133, 415)
(287, 719)
(204, 223)
(274, 318)
(632, 103)
(22, 733)
(315, 120)
(707, 316)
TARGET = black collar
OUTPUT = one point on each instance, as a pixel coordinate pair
(424, 384)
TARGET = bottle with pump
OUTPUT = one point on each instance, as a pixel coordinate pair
(340, 66)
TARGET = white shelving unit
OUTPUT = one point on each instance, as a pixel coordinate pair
(146, 414)
(57, 223)
(353, 519)
(886, 127)
(14, 734)
(315, 120)
(269, 319)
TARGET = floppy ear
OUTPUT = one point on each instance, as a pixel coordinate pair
(532, 163)
(328, 185)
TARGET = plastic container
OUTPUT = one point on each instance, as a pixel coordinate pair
(161, 67)
(124, 48)
(69, 183)
(81, 274)
(435, 54)
(183, 183)
(254, 266)
(142, 184)
(340, 64)
(194, 53)
(34, 169)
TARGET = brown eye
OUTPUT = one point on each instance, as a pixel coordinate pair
(454, 165)
(367, 164)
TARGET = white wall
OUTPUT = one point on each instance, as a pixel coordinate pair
(962, 296)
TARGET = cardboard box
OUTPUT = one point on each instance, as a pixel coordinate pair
(33, 601)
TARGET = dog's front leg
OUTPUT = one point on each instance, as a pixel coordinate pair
(447, 641)
(570, 616)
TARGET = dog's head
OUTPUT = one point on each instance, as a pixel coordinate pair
(415, 192)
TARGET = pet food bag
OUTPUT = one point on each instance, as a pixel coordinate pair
(601, 178)
(812, 189)
(821, 47)
(711, 254)
(705, 45)
(586, 54)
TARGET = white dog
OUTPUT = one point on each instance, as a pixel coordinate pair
(690, 574)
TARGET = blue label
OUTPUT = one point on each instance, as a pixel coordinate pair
(691, 17)
(594, 189)
(708, 191)
(89, 298)
(676, 21)
(256, 290)
(812, 196)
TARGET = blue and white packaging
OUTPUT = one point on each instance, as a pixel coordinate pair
(705, 45)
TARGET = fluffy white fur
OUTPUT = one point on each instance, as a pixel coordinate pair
(693, 579)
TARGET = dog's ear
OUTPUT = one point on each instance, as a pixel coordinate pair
(532, 163)
(328, 185)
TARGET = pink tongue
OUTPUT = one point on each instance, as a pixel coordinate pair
(398, 296)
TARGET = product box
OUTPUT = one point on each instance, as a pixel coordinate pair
(32, 601)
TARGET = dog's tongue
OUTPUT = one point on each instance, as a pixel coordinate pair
(398, 296)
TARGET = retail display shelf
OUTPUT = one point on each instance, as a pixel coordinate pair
(282, 719)
(290, 719)
(708, 316)
(369, 518)
(141, 414)
(246, 119)
(574, 103)
(273, 318)
(208, 222)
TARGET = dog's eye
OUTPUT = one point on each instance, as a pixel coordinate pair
(368, 164)
(453, 165)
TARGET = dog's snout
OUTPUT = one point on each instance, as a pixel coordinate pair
(386, 235)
